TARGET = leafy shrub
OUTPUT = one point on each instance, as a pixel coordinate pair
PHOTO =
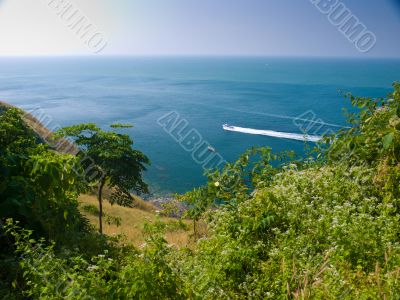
(37, 186)
(159, 226)
(112, 220)
(374, 135)
(69, 275)
(313, 230)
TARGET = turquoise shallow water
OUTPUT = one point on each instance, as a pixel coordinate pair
(261, 93)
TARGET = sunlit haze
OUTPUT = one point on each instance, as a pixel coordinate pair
(192, 27)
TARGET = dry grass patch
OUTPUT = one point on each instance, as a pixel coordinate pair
(133, 220)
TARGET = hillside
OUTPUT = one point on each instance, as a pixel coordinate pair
(43, 133)
(279, 226)
(133, 220)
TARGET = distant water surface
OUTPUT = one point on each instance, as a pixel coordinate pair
(262, 93)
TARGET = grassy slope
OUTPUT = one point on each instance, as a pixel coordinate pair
(133, 220)
(45, 135)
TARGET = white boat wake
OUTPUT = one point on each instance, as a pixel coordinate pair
(283, 135)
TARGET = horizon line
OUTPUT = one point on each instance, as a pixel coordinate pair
(197, 56)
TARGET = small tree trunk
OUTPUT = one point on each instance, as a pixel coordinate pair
(100, 197)
(194, 230)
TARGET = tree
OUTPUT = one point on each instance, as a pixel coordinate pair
(120, 166)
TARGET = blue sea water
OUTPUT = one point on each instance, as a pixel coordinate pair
(259, 92)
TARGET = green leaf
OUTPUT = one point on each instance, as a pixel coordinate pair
(388, 140)
(119, 125)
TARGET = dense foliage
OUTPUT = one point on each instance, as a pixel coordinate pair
(325, 227)
(37, 186)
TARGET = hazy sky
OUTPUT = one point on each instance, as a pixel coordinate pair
(197, 27)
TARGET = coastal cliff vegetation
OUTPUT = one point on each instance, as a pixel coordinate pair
(274, 225)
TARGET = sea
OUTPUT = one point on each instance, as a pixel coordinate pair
(293, 96)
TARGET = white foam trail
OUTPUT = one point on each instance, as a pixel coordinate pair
(283, 135)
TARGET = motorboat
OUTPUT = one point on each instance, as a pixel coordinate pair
(272, 133)
(228, 127)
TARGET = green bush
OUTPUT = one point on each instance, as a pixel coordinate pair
(313, 230)
(38, 187)
(128, 274)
